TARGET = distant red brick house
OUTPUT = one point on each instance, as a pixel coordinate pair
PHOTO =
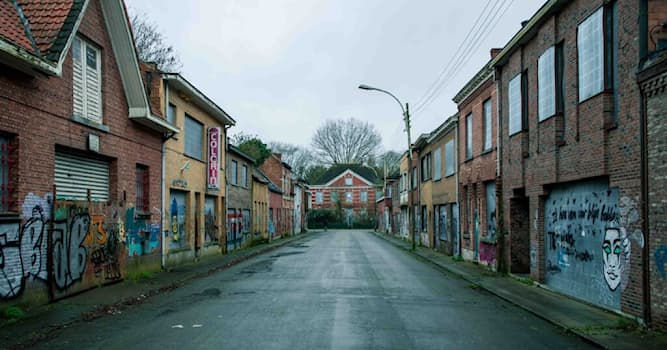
(348, 186)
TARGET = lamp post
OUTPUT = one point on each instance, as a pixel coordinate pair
(406, 119)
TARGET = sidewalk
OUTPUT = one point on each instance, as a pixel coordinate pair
(41, 322)
(599, 327)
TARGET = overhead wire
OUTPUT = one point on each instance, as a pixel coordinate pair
(454, 56)
(478, 39)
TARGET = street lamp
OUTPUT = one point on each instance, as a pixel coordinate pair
(406, 119)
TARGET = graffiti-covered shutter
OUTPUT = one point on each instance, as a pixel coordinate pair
(75, 175)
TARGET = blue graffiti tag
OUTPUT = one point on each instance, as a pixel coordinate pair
(661, 260)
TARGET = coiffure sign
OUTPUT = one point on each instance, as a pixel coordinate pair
(214, 158)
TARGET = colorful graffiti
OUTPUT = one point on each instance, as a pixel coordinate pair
(70, 228)
(23, 252)
(660, 256)
(142, 237)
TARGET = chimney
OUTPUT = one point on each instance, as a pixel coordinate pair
(495, 51)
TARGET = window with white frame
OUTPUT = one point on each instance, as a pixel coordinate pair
(87, 80)
(590, 55)
(348, 181)
(437, 164)
(515, 105)
(319, 197)
(469, 136)
(334, 197)
(546, 83)
(244, 176)
(487, 124)
(348, 197)
(194, 133)
(449, 158)
(364, 196)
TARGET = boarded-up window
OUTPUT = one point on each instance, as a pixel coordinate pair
(75, 175)
(194, 132)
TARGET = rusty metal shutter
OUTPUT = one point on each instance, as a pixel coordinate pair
(75, 175)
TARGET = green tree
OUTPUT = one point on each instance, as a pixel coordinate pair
(253, 146)
(313, 173)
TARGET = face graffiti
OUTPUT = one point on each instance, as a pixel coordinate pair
(615, 254)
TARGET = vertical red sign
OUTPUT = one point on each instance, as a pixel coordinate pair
(214, 158)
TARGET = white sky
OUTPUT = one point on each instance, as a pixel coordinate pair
(280, 68)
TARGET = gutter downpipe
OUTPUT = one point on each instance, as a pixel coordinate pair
(502, 261)
(163, 247)
(224, 218)
(646, 275)
(457, 251)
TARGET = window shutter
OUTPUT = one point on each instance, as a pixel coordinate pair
(93, 85)
(74, 176)
(78, 87)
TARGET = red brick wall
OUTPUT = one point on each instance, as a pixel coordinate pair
(590, 146)
(37, 111)
(655, 92)
(474, 172)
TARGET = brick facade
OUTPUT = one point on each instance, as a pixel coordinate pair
(37, 116)
(653, 80)
(477, 170)
(584, 159)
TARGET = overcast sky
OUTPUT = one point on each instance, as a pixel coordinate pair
(281, 68)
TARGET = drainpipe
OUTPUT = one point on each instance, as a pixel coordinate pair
(457, 250)
(224, 218)
(646, 275)
(502, 261)
(163, 248)
(646, 284)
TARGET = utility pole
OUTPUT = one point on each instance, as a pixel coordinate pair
(411, 214)
(406, 118)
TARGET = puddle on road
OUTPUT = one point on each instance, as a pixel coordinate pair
(263, 266)
(298, 245)
(278, 255)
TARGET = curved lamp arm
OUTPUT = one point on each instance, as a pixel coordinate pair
(366, 87)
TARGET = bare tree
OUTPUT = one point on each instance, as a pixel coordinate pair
(299, 158)
(390, 160)
(346, 141)
(151, 44)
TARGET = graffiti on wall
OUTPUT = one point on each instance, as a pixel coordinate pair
(660, 256)
(142, 236)
(588, 248)
(70, 228)
(491, 211)
(23, 251)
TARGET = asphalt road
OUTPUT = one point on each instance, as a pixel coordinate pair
(333, 290)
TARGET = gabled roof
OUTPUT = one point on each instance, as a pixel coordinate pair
(338, 169)
(238, 152)
(49, 27)
(178, 82)
(265, 179)
(35, 35)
